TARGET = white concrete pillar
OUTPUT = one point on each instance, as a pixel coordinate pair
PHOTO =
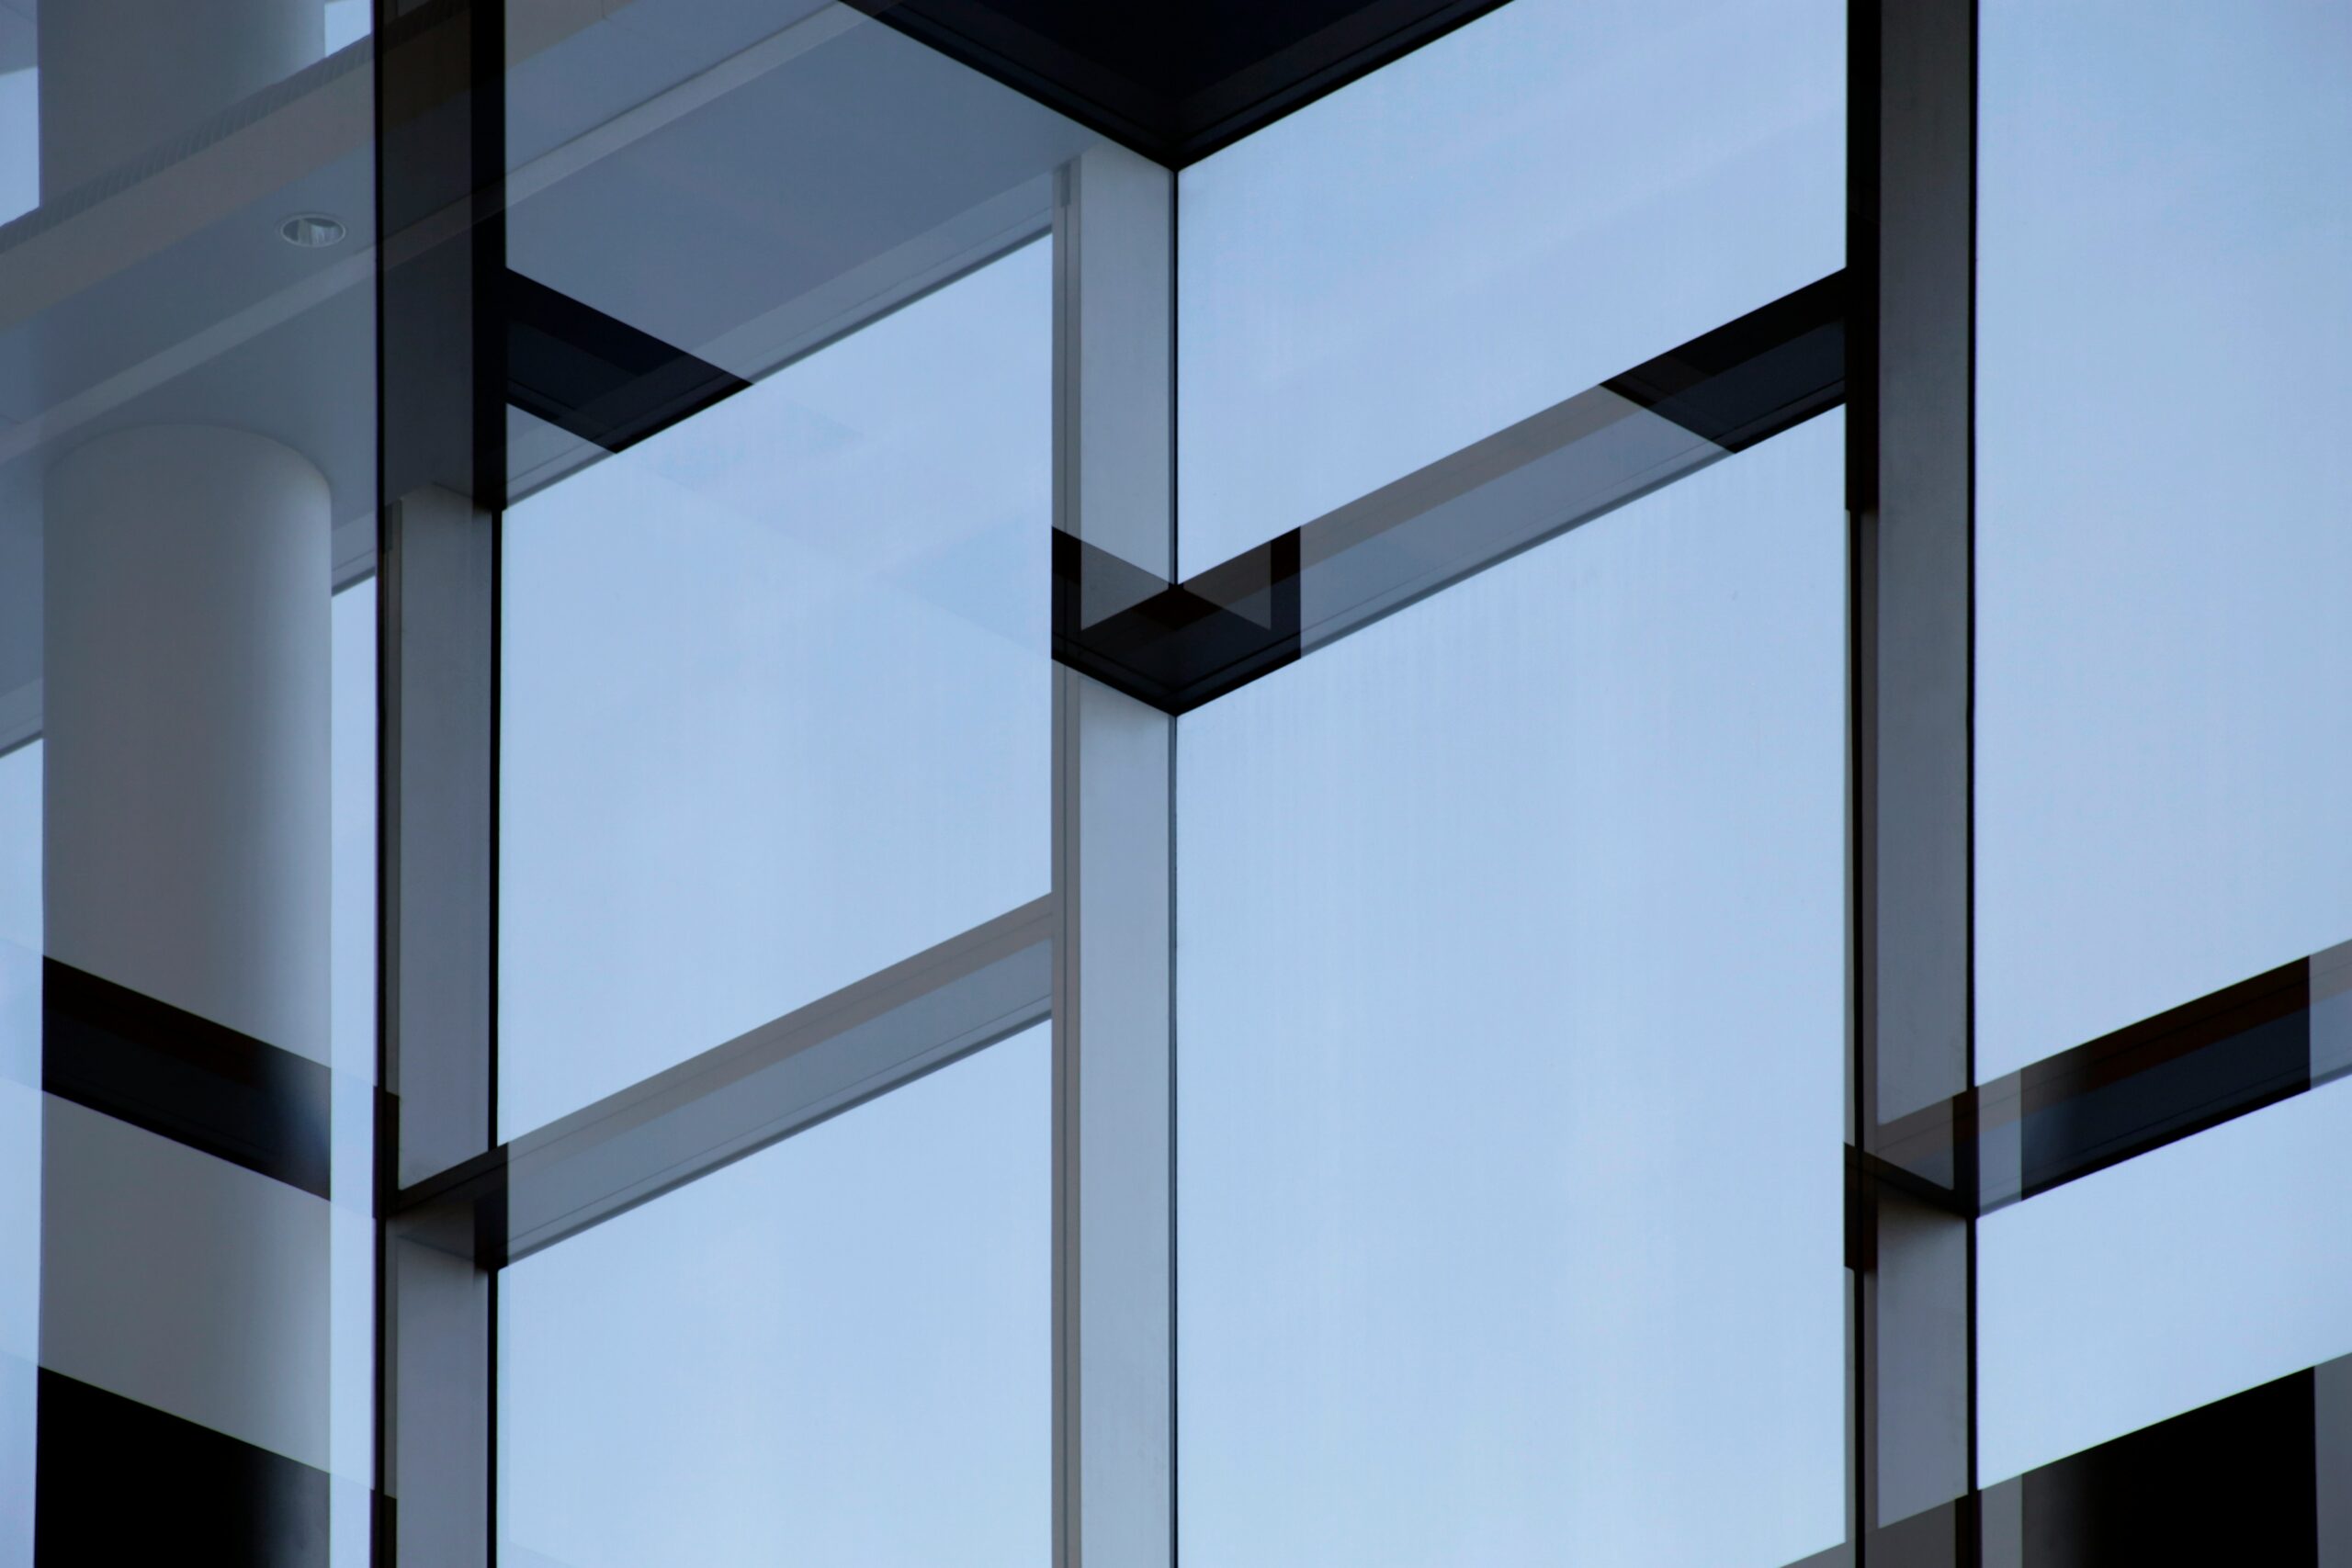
(187, 842)
(185, 758)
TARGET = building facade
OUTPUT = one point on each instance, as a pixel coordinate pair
(996, 781)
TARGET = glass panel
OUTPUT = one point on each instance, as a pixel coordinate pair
(2163, 697)
(19, 115)
(837, 1350)
(777, 694)
(714, 174)
(2190, 1273)
(1488, 226)
(1511, 999)
(20, 1151)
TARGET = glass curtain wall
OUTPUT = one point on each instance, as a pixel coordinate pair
(2165, 714)
(757, 806)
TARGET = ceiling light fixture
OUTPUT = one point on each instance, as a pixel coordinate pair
(313, 230)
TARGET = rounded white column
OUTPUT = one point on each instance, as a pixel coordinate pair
(185, 776)
(185, 719)
(184, 705)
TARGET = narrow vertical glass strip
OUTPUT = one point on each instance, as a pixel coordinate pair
(20, 1146)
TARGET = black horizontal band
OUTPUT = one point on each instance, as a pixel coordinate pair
(203, 1084)
(2223, 1055)
(2230, 1482)
(119, 1481)
(596, 375)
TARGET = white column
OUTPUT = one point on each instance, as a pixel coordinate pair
(185, 777)
(186, 762)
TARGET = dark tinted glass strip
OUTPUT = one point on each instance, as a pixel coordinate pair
(189, 1078)
(2141, 1087)
(119, 1481)
(1754, 378)
(2164, 1078)
(2220, 1057)
(2234, 1481)
(596, 375)
(1178, 646)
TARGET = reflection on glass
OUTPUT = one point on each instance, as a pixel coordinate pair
(777, 694)
(837, 1350)
(2164, 678)
(2189, 1274)
(1488, 226)
(1511, 1008)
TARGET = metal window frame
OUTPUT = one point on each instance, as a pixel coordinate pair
(1097, 955)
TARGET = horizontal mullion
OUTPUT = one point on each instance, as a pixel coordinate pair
(2225, 1054)
(1178, 646)
(747, 1094)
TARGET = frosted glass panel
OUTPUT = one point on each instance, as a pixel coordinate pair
(2164, 508)
(777, 694)
(1511, 1010)
(836, 1351)
(1515, 212)
(2193, 1272)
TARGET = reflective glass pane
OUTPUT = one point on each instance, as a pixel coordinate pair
(714, 175)
(19, 113)
(837, 1350)
(1511, 1010)
(1484, 228)
(2192, 1273)
(777, 695)
(2164, 669)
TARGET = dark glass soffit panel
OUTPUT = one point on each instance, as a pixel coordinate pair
(1178, 646)
(596, 377)
(1176, 80)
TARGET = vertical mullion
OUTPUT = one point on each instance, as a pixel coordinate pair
(1913, 683)
(440, 257)
(1113, 821)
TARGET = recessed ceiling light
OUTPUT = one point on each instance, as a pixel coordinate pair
(311, 231)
